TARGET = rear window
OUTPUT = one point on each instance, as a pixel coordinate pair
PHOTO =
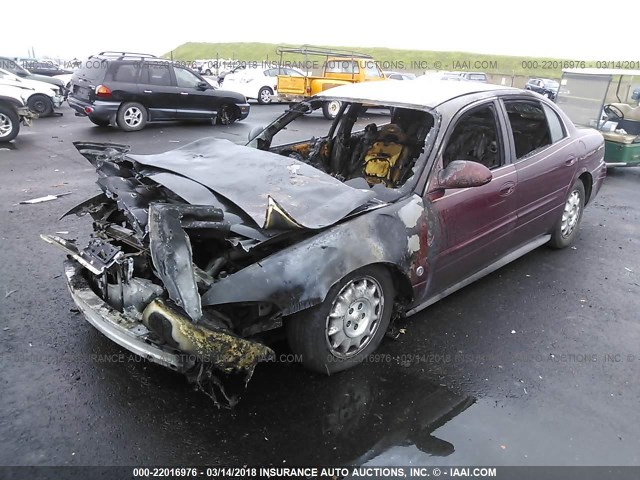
(342, 66)
(92, 70)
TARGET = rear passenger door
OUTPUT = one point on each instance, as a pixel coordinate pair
(122, 79)
(545, 165)
(158, 91)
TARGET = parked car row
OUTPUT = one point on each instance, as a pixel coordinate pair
(258, 83)
(47, 92)
(42, 97)
(40, 66)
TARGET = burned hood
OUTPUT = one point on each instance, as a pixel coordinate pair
(275, 191)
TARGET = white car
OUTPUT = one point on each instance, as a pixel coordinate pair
(13, 111)
(257, 83)
(42, 98)
(65, 78)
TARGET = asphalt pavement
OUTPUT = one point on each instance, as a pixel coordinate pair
(536, 364)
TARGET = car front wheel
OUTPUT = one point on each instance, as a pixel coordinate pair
(226, 115)
(131, 117)
(566, 229)
(40, 104)
(264, 95)
(9, 124)
(348, 325)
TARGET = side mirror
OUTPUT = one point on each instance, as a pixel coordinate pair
(255, 131)
(202, 85)
(464, 174)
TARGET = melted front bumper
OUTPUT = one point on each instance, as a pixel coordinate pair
(126, 332)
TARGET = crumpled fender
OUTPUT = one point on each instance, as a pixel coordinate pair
(301, 276)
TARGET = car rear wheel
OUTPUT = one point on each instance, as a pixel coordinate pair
(9, 124)
(132, 117)
(330, 109)
(566, 229)
(40, 104)
(99, 122)
(348, 325)
(265, 95)
(226, 115)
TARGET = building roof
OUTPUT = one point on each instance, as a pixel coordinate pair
(602, 71)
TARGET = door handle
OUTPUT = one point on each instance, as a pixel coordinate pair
(570, 161)
(147, 91)
(507, 189)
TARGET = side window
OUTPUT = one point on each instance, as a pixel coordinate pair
(185, 78)
(124, 72)
(528, 126)
(475, 137)
(556, 129)
(156, 74)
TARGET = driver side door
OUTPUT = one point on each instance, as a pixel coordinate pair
(193, 102)
(474, 225)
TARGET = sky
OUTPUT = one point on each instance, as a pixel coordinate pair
(562, 29)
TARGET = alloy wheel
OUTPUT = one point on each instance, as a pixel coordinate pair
(354, 317)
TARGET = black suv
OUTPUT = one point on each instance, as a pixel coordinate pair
(131, 89)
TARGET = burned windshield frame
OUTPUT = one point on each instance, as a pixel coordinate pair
(343, 124)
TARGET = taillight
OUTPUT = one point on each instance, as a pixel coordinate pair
(102, 91)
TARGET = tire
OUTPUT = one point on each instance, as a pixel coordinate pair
(132, 117)
(313, 335)
(226, 115)
(566, 228)
(9, 124)
(207, 72)
(40, 104)
(330, 109)
(265, 95)
(99, 122)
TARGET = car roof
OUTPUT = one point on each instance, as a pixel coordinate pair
(427, 93)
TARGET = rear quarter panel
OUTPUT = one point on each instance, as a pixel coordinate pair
(591, 167)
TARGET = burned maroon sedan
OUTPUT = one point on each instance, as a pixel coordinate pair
(200, 251)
